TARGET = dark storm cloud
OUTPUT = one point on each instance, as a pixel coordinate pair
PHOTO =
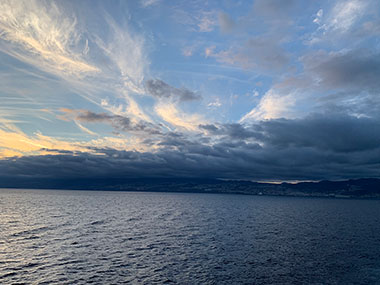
(334, 133)
(344, 82)
(359, 69)
(210, 128)
(238, 131)
(317, 147)
(160, 89)
(88, 116)
(234, 131)
(120, 123)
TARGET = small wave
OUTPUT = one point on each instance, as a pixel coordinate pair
(31, 232)
(101, 222)
(9, 274)
(31, 265)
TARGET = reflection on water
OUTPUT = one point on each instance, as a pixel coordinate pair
(68, 237)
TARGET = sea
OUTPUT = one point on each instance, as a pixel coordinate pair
(109, 237)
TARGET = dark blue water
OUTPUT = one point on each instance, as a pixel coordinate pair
(81, 237)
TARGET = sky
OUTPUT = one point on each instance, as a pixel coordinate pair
(264, 90)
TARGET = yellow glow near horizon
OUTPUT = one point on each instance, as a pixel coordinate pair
(13, 142)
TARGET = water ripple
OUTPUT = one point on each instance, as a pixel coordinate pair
(67, 237)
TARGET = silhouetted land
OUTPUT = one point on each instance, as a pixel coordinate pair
(358, 188)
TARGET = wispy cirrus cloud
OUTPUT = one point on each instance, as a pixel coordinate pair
(272, 105)
(345, 20)
(42, 36)
(128, 67)
(50, 37)
(171, 114)
(344, 15)
(207, 21)
(148, 3)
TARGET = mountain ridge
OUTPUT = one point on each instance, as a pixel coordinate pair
(355, 188)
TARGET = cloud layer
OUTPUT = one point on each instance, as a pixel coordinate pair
(317, 147)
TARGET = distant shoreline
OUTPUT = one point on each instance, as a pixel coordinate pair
(349, 189)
